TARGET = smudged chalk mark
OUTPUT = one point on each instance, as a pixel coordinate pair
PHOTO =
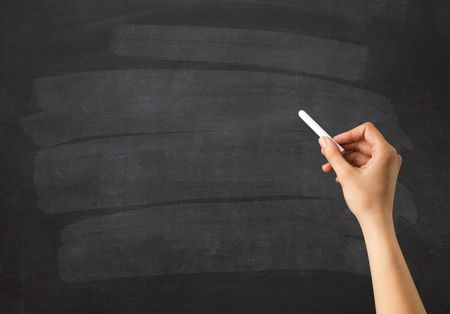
(211, 238)
(85, 106)
(242, 46)
(126, 171)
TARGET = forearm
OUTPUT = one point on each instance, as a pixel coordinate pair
(393, 286)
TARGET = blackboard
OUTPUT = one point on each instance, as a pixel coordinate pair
(152, 159)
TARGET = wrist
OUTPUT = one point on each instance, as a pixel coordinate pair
(376, 222)
(379, 236)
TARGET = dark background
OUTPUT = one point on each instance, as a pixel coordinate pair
(44, 38)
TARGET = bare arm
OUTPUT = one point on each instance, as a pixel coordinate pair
(368, 177)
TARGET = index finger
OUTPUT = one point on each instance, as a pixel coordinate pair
(366, 131)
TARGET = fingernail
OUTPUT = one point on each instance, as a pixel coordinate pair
(322, 142)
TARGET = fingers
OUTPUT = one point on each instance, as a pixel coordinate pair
(360, 146)
(334, 157)
(327, 167)
(356, 159)
(387, 154)
(366, 131)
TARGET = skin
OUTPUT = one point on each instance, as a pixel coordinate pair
(368, 177)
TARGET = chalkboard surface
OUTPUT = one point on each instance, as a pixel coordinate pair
(153, 161)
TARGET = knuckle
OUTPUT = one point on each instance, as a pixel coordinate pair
(392, 154)
(387, 153)
(393, 151)
(368, 125)
(332, 157)
(389, 150)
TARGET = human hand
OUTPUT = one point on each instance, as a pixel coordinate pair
(368, 174)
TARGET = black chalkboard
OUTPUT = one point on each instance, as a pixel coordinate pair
(153, 161)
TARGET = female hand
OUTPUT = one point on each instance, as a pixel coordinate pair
(368, 174)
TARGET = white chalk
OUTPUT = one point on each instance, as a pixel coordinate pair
(316, 128)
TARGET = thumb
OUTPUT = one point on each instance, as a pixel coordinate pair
(334, 156)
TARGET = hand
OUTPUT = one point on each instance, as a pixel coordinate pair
(368, 174)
